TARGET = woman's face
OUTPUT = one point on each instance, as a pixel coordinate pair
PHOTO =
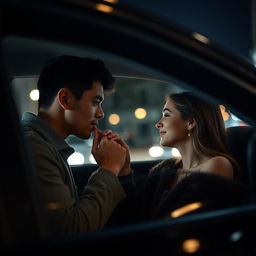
(172, 128)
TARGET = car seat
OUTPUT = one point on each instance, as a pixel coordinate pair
(242, 146)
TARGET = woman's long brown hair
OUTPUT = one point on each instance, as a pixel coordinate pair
(209, 134)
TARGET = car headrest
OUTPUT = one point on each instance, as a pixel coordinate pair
(238, 139)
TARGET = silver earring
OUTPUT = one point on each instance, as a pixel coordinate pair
(188, 133)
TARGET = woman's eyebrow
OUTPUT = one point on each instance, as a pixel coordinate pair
(166, 109)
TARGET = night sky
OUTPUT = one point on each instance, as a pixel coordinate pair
(226, 22)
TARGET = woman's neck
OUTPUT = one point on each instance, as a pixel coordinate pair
(190, 159)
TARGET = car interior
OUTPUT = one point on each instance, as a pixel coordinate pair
(241, 145)
(147, 65)
(37, 52)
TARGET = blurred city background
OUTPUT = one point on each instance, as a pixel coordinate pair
(131, 111)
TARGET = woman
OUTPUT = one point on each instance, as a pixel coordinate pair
(196, 128)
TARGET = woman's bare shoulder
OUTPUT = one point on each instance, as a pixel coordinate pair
(219, 165)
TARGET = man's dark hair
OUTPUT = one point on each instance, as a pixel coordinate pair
(74, 73)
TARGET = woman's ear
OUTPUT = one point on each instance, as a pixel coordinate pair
(65, 98)
(191, 124)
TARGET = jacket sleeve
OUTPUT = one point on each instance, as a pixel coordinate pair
(149, 190)
(67, 215)
(133, 207)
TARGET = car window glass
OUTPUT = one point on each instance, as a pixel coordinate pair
(131, 111)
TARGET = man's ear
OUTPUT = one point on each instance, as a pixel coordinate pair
(65, 98)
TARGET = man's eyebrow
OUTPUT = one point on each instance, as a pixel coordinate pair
(166, 109)
(98, 97)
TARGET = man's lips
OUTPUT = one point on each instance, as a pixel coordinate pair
(94, 127)
(162, 133)
(94, 124)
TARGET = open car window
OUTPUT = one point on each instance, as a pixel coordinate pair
(131, 111)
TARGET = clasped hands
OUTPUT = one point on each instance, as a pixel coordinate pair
(111, 152)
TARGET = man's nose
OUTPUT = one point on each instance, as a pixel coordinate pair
(100, 113)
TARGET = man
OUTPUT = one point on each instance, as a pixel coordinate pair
(71, 92)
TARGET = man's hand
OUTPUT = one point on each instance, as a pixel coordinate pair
(108, 153)
(115, 137)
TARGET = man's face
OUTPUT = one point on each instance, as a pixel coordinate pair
(86, 112)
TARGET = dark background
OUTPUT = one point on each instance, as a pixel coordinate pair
(227, 22)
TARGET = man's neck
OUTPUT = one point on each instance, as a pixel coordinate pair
(55, 120)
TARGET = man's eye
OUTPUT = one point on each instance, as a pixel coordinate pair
(166, 115)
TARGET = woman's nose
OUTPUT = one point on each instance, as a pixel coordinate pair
(158, 125)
